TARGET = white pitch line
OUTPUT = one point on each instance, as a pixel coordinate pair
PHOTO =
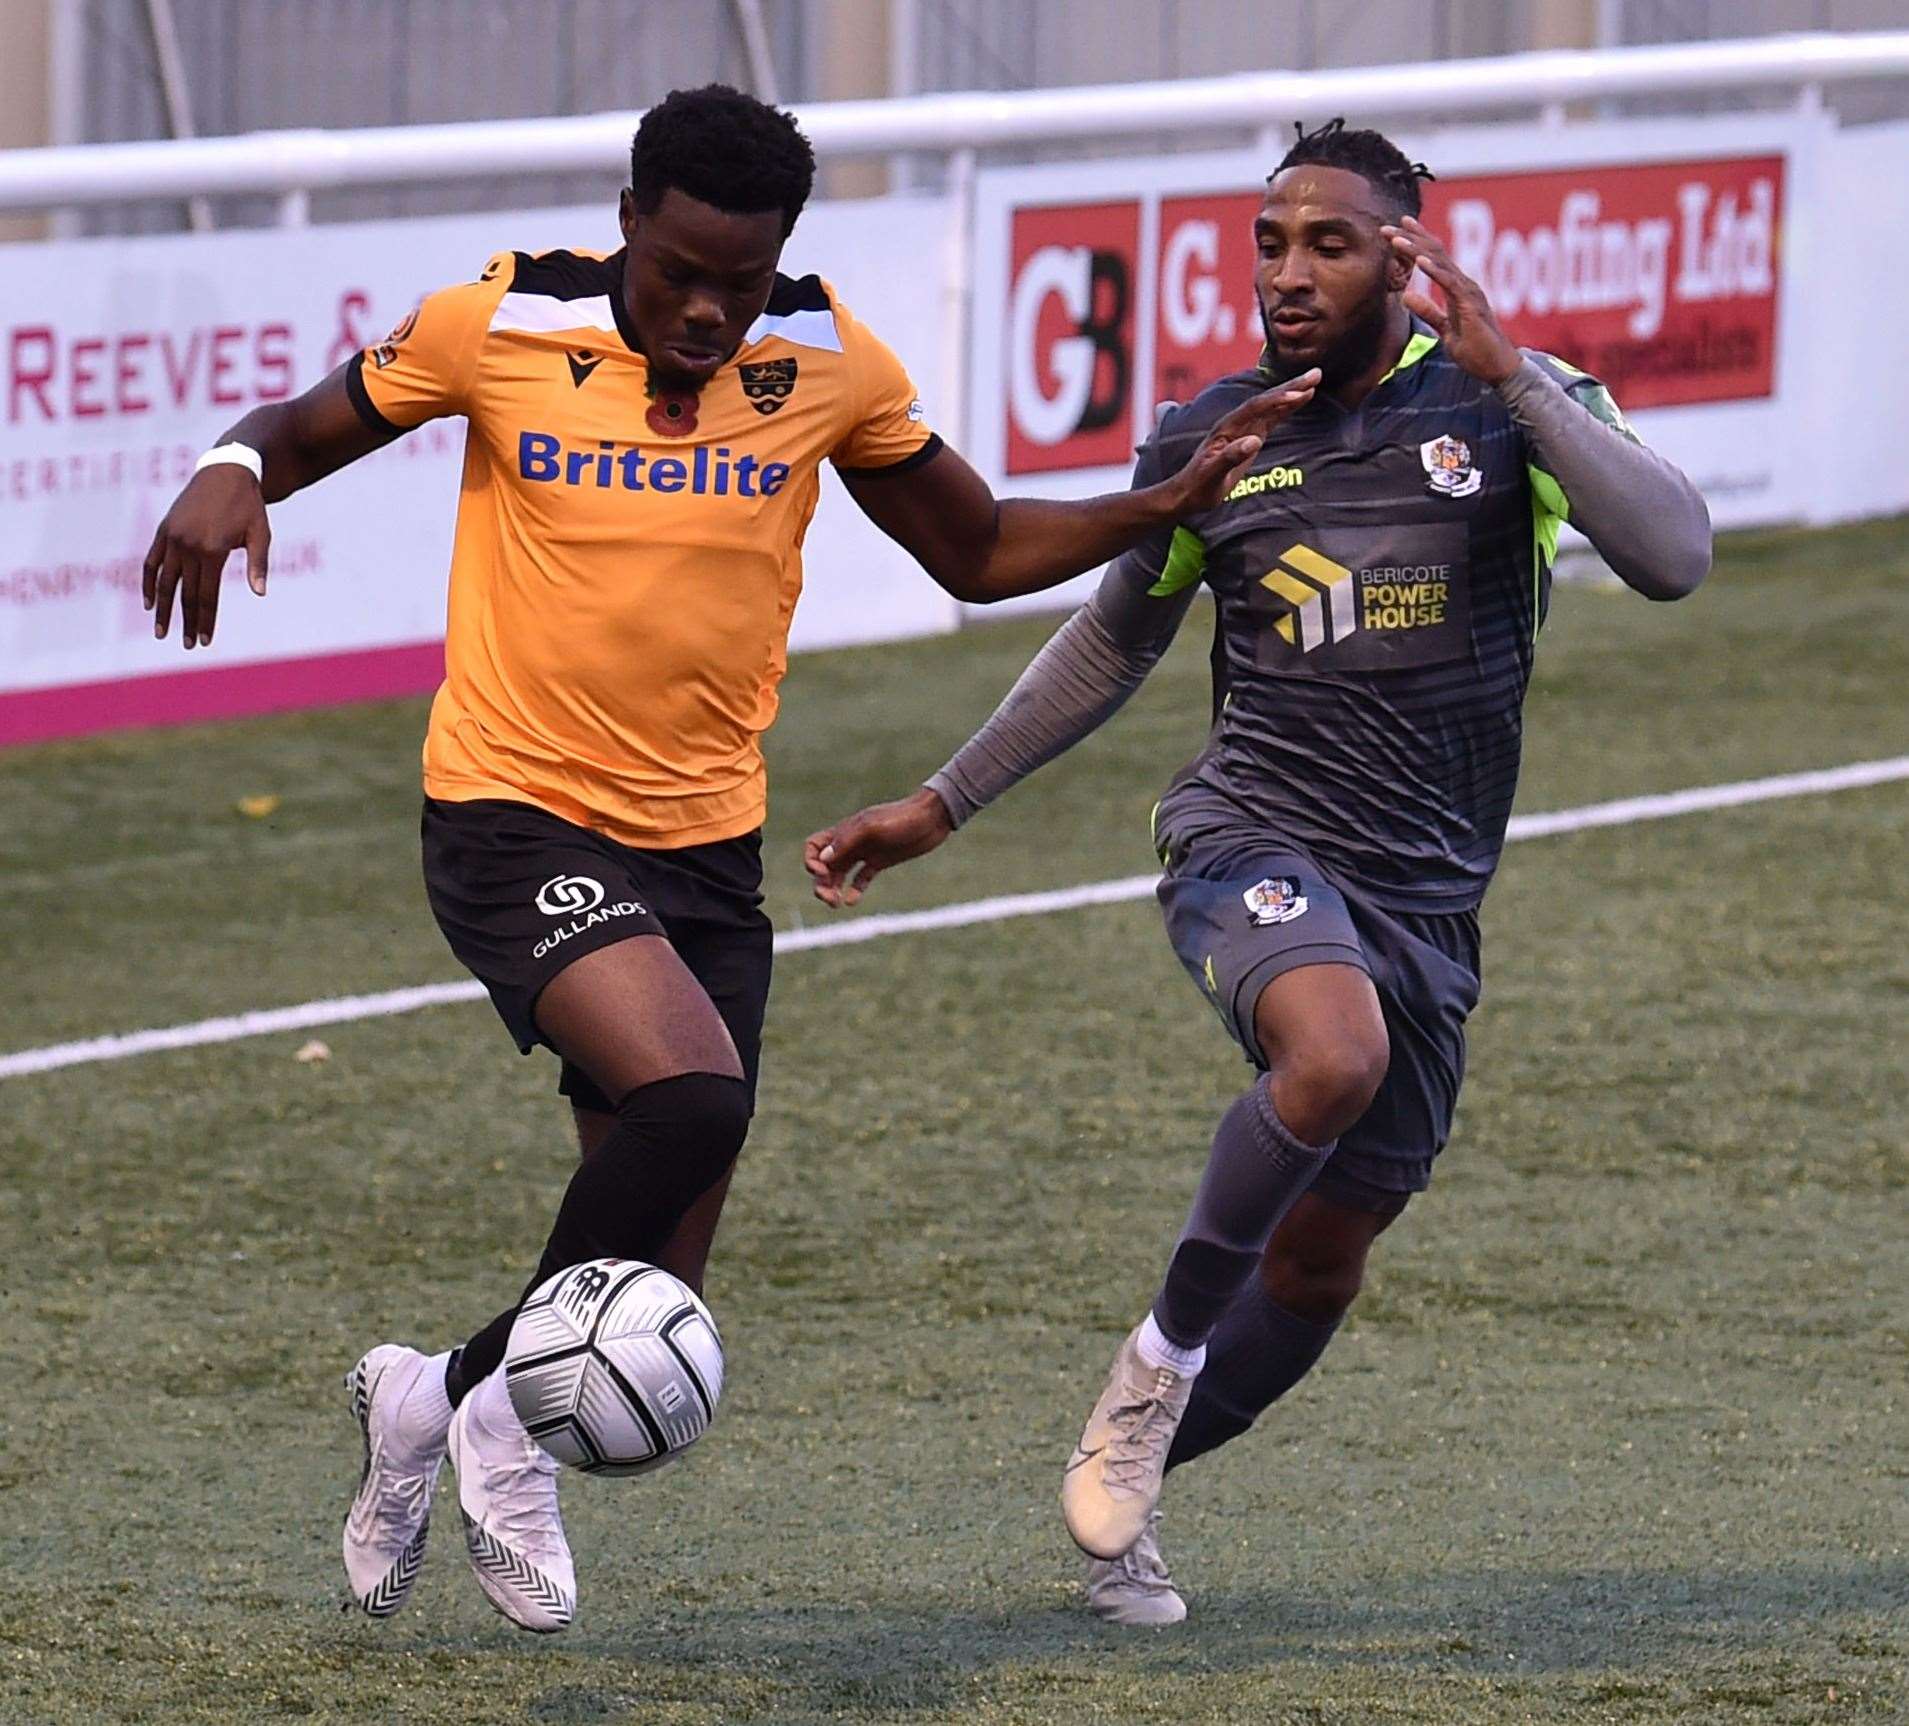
(1623, 812)
(1628, 809)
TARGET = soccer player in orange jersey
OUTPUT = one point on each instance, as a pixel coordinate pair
(646, 431)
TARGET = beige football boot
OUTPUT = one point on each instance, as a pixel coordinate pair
(1112, 1483)
(1135, 1588)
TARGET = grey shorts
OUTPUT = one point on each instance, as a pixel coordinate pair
(1241, 910)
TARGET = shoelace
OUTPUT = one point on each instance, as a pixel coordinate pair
(1142, 1431)
(521, 1488)
(397, 1498)
(1142, 1565)
(1142, 1561)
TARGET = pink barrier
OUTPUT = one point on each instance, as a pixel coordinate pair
(220, 692)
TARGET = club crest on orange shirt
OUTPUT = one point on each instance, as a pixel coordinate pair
(768, 384)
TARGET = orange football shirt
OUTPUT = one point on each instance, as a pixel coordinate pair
(625, 569)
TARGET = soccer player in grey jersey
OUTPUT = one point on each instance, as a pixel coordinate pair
(1380, 575)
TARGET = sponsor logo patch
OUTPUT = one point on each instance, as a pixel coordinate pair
(768, 384)
(1277, 899)
(1320, 594)
(584, 1288)
(579, 898)
(1358, 600)
(606, 466)
(567, 895)
(1268, 479)
(1448, 467)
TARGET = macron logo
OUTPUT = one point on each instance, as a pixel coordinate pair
(544, 459)
(1268, 479)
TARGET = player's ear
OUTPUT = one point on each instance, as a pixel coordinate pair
(1398, 272)
(626, 212)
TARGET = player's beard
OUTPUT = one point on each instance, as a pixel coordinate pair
(1349, 357)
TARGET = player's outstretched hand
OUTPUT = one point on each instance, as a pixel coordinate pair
(221, 509)
(843, 859)
(1228, 449)
(1466, 324)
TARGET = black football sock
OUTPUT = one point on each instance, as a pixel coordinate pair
(1257, 1353)
(1254, 1175)
(672, 1142)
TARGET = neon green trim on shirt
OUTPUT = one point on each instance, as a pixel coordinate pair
(1588, 393)
(1186, 563)
(1416, 349)
(1550, 510)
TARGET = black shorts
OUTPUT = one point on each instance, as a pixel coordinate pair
(519, 894)
(1242, 908)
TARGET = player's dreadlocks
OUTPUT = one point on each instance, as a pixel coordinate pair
(725, 148)
(1371, 155)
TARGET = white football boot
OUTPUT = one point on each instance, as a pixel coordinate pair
(507, 1493)
(1135, 1588)
(397, 1398)
(1113, 1479)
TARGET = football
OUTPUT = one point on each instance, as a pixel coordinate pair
(614, 1367)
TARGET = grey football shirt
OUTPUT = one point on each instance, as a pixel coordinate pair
(1379, 577)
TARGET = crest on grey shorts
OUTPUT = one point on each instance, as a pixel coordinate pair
(1274, 900)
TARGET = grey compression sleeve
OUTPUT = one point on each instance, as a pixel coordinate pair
(1077, 682)
(1648, 522)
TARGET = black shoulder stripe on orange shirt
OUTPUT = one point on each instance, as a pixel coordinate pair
(796, 294)
(919, 458)
(361, 398)
(567, 275)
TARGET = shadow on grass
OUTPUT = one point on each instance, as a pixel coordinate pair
(1655, 1630)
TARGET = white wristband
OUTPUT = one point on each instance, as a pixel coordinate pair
(238, 454)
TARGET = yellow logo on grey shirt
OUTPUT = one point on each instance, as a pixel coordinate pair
(1320, 593)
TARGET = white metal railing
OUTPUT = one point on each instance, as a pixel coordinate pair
(294, 163)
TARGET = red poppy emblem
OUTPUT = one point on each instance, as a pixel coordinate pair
(672, 415)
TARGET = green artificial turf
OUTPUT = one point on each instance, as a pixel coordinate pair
(1616, 1432)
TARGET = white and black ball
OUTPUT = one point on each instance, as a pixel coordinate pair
(614, 1366)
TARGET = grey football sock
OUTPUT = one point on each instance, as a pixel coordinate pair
(1254, 1175)
(1258, 1352)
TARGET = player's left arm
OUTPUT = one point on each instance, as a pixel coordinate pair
(1646, 519)
(981, 548)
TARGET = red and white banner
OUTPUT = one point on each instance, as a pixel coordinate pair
(1672, 258)
(121, 360)
(1070, 349)
(1660, 278)
(1658, 258)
